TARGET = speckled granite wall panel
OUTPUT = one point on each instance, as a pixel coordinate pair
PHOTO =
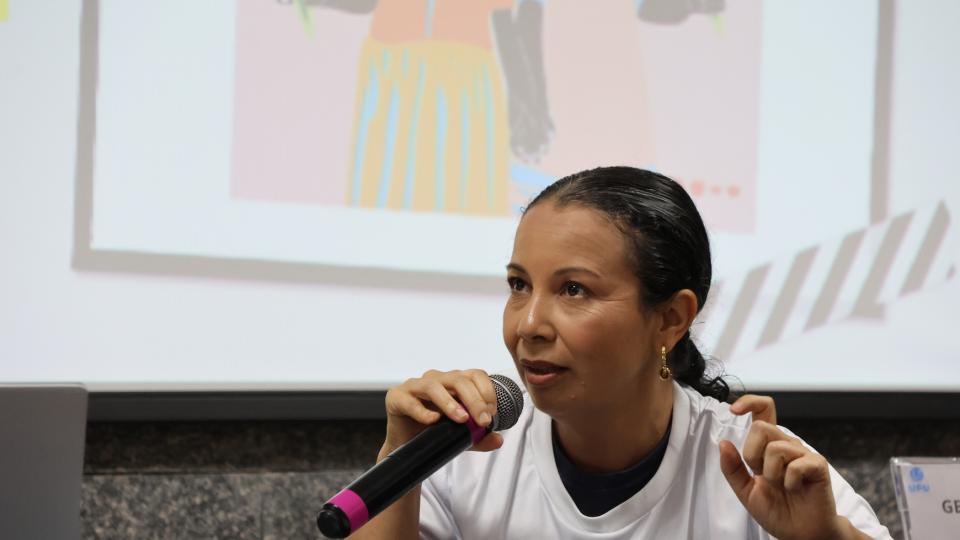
(267, 479)
(238, 506)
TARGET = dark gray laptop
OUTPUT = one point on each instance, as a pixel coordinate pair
(42, 431)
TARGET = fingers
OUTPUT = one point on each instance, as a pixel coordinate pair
(469, 395)
(762, 407)
(760, 435)
(491, 441)
(422, 401)
(433, 390)
(485, 387)
(400, 403)
(734, 470)
(460, 395)
(787, 466)
(778, 456)
(808, 469)
(783, 461)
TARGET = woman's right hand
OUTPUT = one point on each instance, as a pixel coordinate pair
(422, 401)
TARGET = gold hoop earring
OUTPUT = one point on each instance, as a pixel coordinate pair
(665, 371)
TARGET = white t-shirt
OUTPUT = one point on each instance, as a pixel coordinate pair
(516, 491)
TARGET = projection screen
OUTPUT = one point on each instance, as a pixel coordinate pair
(236, 195)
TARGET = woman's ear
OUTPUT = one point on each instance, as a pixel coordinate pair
(676, 316)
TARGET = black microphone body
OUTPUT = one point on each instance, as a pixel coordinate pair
(410, 464)
(398, 473)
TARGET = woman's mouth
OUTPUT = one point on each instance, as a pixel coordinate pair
(539, 372)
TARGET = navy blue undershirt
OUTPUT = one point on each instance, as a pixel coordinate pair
(596, 494)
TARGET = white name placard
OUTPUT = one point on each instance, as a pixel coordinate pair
(928, 496)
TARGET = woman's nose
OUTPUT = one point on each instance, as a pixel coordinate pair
(535, 323)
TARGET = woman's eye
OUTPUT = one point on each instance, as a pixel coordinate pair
(516, 284)
(573, 289)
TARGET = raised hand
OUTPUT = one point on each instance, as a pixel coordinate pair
(789, 492)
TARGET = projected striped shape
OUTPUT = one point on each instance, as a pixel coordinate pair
(851, 276)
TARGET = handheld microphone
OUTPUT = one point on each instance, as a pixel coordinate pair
(407, 466)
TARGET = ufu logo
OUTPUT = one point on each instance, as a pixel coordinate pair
(917, 484)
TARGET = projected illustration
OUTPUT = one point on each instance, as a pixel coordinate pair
(471, 108)
(407, 136)
(392, 144)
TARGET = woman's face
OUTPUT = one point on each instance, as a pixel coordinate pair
(574, 322)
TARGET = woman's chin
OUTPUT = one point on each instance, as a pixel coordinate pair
(552, 400)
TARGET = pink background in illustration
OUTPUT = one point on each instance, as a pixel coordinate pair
(683, 99)
(294, 103)
(707, 133)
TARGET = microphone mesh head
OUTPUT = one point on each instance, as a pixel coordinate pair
(509, 402)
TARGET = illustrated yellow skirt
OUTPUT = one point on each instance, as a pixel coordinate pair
(431, 131)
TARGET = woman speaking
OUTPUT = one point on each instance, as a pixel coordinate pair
(628, 437)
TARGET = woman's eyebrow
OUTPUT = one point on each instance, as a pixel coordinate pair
(516, 267)
(560, 272)
(576, 270)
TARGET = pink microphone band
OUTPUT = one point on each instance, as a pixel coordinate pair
(353, 506)
(476, 432)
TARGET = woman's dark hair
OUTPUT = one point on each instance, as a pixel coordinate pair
(668, 246)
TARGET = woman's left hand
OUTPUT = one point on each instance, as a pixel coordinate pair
(790, 494)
